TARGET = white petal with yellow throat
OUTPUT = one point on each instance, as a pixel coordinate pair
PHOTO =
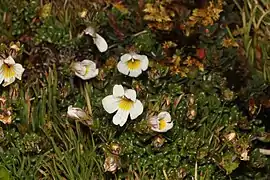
(165, 115)
(130, 94)
(118, 90)
(85, 69)
(124, 102)
(123, 68)
(110, 103)
(132, 64)
(136, 110)
(120, 118)
(9, 71)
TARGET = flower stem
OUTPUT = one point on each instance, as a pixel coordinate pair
(87, 90)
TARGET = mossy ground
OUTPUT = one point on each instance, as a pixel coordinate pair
(199, 71)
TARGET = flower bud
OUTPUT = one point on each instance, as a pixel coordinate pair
(85, 69)
(111, 163)
(158, 141)
(115, 148)
(5, 116)
(77, 113)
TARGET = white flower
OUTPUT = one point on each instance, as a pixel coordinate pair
(76, 113)
(162, 122)
(99, 41)
(85, 69)
(132, 64)
(124, 102)
(9, 71)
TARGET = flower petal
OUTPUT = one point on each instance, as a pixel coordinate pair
(90, 31)
(110, 103)
(158, 130)
(9, 60)
(94, 74)
(168, 127)
(120, 118)
(131, 94)
(80, 76)
(144, 62)
(136, 56)
(90, 63)
(90, 73)
(122, 68)
(165, 115)
(118, 90)
(85, 69)
(1, 74)
(71, 113)
(79, 68)
(18, 70)
(136, 110)
(9, 81)
(126, 57)
(135, 73)
(100, 43)
(76, 113)
(153, 122)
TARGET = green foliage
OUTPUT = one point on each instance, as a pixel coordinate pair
(74, 158)
(255, 21)
(22, 155)
(17, 17)
(4, 174)
(145, 41)
(52, 31)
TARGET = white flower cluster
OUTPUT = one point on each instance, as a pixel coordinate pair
(122, 101)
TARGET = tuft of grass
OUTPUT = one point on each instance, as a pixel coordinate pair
(74, 155)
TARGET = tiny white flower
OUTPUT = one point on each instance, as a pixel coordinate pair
(162, 122)
(85, 69)
(132, 64)
(9, 71)
(99, 41)
(76, 113)
(124, 102)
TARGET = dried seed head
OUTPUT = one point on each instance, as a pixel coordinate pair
(191, 114)
(230, 136)
(244, 155)
(115, 148)
(191, 100)
(158, 141)
(111, 163)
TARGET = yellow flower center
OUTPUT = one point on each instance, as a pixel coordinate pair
(125, 104)
(87, 68)
(134, 64)
(8, 71)
(162, 124)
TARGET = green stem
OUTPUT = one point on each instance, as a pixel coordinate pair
(238, 5)
(230, 33)
(87, 90)
(260, 20)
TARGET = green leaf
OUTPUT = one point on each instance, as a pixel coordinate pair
(229, 163)
(4, 174)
